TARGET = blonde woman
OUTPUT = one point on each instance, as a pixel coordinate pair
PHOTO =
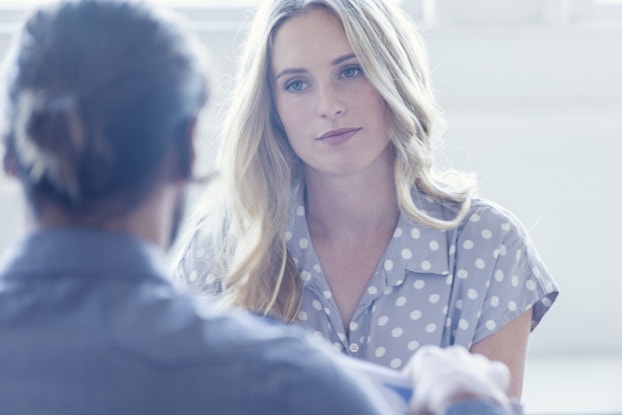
(332, 213)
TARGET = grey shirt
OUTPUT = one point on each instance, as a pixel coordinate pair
(430, 287)
(90, 325)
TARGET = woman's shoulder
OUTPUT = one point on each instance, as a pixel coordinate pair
(196, 262)
(490, 217)
(481, 212)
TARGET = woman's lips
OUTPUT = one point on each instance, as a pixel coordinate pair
(338, 136)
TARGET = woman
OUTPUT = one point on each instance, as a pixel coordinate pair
(334, 215)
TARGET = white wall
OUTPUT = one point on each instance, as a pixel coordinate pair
(533, 98)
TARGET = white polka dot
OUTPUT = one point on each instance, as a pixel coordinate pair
(388, 290)
(302, 316)
(512, 306)
(531, 285)
(459, 304)
(415, 233)
(317, 268)
(300, 211)
(430, 328)
(327, 294)
(491, 325)
(546, 301)
(468, 244)
(372, 290)
(519, 253)
(415, 315)
(407, 253)
(413, 345)
(462, 274)
(397, 332)
(463, 324)
(494, 301)
(316, 304)
(388, 265)
(536, 272)
(400, 301)
(399, 282)
(480, 264)
(505, 226)
(380, 352)
(200, 253)
(398, 232)
(434, 298)
(341, 336)
(515, 281)
(452, 249)
(474, 218)
(503, 250)
(486, 234)
(305, 275)
(449, 279)
(192, 276)
(426, 265)
(499, 275)
(429, 199)
(395, 363)
(434, 246)
(419, 284)
(337, 347)
(303, 243)
(382, 321)
(288, 235)
(327, 311)
(329, 326)
(472, 294)
(353, 326)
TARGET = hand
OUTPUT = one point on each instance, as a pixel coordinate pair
(442, 377)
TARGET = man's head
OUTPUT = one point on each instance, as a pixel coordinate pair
(101, 100)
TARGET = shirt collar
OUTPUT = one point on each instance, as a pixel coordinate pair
(413, 247)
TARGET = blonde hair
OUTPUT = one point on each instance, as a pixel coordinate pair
(259, 169)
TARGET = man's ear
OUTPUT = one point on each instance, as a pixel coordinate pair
(186, 153)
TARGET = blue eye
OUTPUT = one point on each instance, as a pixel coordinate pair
(295, 86)
(351, 72)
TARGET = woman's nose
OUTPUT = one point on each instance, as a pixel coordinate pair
(330, 103)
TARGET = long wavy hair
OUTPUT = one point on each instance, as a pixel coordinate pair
(259, 169)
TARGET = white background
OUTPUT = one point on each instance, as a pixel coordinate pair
(532, 91)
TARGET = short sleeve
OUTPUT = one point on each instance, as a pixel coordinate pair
(503, 274)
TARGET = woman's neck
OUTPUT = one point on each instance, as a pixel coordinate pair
(353, 206)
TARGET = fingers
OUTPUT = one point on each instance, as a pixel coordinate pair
(445, 376)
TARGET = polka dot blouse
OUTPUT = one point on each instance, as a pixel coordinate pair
(430, 287)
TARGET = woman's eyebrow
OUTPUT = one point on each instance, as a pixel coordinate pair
(343, 58)
(290, 71)
(337, 61)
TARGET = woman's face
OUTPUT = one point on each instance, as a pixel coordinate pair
(334, 118)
